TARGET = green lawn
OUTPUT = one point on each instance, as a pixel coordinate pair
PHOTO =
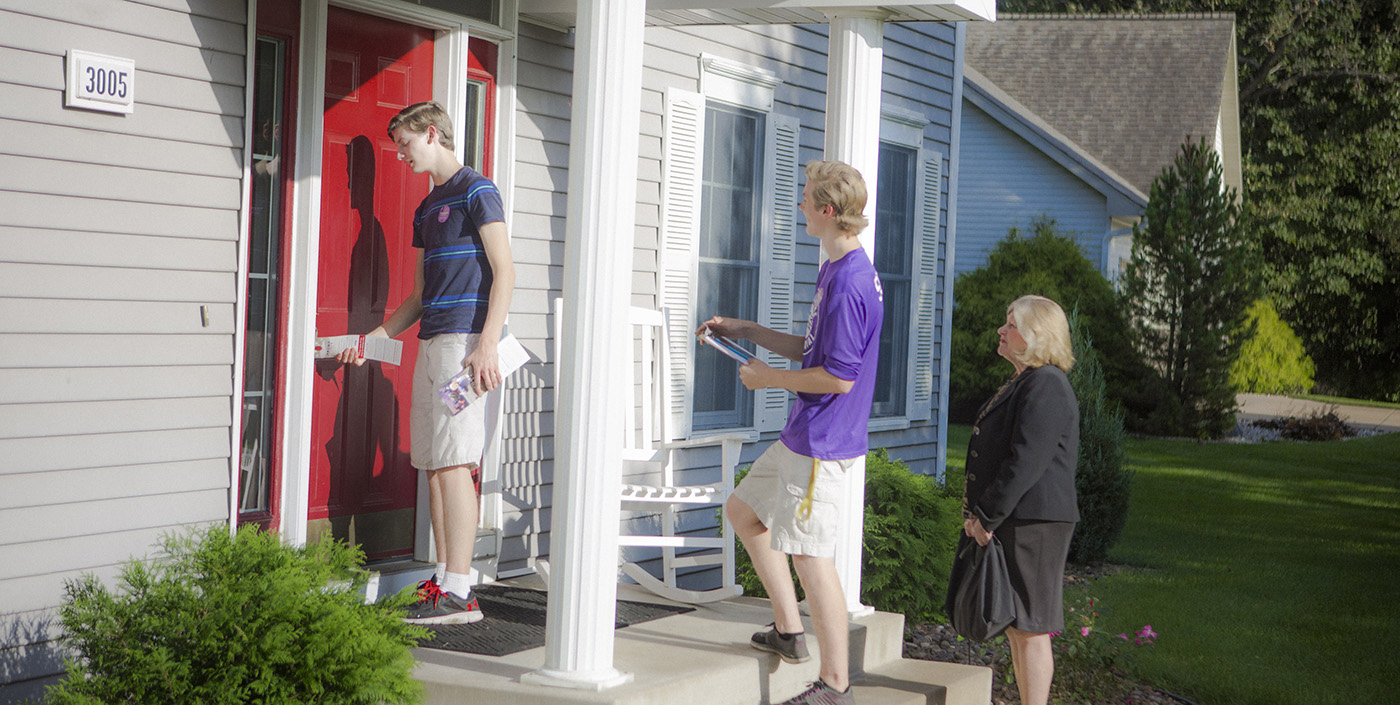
(1271, 572)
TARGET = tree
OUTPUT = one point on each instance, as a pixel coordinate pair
(1272, 361)
(1102, 483)
(1187, 286)
(1040, 260)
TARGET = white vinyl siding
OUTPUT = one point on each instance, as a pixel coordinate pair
(118, 236)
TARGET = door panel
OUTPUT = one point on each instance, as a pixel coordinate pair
(363, 488)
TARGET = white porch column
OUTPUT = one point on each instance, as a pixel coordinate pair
(592, 379)
(855, 67)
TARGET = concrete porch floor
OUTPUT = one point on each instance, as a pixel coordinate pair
(703, 657)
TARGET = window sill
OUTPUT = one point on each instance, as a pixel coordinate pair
(892, 423)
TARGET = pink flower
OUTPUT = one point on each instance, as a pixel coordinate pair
(1084, 631)
(1146, 632)
(1124, 637)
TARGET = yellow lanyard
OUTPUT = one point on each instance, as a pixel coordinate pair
(804, 510)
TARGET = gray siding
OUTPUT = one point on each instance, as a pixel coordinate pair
(1006, 182)
(114, 232)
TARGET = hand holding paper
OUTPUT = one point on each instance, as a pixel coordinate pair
(459, 392)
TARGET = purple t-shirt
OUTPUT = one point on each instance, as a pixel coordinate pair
(456, 273)
(843, 336)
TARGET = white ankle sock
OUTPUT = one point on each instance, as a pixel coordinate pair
(441, 571)
(458, 584)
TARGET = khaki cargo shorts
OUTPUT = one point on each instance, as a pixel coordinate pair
(439, 439)
(775, 488)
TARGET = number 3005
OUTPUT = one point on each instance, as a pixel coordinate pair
(108, 82)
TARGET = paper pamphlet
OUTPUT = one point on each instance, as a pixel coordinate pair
(371, 348)
(458, 393)
(725, 345)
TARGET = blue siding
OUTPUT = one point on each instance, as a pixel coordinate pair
(1006, 182)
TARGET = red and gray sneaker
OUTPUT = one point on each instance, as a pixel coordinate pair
(819, 693)
(437, 606)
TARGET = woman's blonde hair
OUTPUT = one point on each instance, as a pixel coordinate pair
(417, 118)
(1042, 323)
(839, 185)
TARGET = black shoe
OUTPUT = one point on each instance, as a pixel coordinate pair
(791, 647)
(819, 693)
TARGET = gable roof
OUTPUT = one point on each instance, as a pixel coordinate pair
(1127, 88)
(1124, 199)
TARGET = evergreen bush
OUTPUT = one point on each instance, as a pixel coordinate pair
(1102, 482)
(1272, 360)
(1041, 260)
(237, 619)
(912, 524)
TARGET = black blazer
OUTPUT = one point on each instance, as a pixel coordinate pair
(1020, 461)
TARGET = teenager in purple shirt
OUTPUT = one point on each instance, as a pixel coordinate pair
(788, 504)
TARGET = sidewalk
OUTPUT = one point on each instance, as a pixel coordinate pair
(1362, 418)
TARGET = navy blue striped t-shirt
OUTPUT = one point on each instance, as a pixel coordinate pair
(456, 273)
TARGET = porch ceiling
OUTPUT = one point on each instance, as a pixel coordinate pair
(669, 13)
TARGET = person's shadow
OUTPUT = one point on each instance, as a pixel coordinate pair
(367, 413)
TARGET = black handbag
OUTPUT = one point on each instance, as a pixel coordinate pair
(979, 604)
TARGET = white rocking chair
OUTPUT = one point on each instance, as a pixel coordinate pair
(649, 461)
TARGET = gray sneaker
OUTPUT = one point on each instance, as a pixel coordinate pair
(791, 647)
(819, 693)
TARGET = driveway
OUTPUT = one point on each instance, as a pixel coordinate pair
(1362, 418)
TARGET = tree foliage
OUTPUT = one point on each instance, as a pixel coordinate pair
(1186, 288)
(1101, 481)
(1044, 261)
(1272, 360)
(1319, 89)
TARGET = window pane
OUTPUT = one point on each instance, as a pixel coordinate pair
(731, 187)
(894, 255)
(730, 291)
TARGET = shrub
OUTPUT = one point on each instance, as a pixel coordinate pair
(237, 619)
(912, 523)
(911, 530)
(1087, 660)
(1317, 427)
(1272, 360)
(1103, 484)
(1047, 262)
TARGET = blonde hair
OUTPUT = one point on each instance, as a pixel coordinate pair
(417, 118)
(840, 186)
(1042, 323)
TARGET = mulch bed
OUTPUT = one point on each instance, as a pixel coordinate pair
(938, 642)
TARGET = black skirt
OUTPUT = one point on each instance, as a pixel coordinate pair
(1035, 558)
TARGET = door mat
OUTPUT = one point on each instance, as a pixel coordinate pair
(515, 619)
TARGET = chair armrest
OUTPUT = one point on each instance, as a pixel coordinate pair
(702, 441)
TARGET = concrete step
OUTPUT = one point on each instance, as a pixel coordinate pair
(703, 658)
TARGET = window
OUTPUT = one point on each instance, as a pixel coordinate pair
(729, 214)
(894, 260)
(265, 242)
(731, 208)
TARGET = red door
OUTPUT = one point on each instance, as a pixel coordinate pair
(363, 488)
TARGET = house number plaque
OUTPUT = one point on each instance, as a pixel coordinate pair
(100, 82)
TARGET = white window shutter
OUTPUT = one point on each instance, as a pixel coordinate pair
(927, 209)
(682, 148)
(776, 271)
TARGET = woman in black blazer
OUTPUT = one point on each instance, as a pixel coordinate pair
(1020, 481)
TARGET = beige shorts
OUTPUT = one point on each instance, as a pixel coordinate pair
(439, 439)
(775, 487)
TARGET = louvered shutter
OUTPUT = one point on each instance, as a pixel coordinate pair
(923, 352)
(776, 271)
(682, 149)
